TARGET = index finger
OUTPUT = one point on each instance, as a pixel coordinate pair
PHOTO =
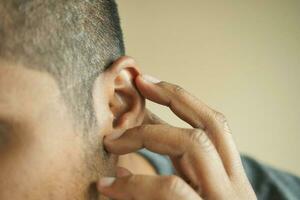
(183, 104)
(197, 114)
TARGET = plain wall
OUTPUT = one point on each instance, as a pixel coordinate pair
(240, 57)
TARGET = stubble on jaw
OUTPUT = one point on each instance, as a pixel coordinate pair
(99, 163)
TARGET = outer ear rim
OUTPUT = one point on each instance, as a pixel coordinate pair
(123, 62)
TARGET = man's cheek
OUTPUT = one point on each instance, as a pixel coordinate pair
(52, 169)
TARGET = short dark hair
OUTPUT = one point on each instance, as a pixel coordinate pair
(73, 40)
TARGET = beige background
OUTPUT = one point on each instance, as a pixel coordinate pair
(241, 57)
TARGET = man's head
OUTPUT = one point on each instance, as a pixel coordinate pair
(63, 87)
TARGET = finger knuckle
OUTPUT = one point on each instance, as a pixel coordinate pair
(200, 138)
(178, 90)
(173, 88)
(220, 117)
(196, 135)
(164, 84)
(222, 121)
(143, 128)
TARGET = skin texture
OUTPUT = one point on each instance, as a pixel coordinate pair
(205, 157)
(44, 156)
(38, 139)
(42, 153)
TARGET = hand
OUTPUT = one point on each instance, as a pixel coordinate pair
(205, 157)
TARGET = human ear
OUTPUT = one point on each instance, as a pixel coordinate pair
(118, 104)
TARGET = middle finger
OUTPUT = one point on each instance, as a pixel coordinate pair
(191, 147)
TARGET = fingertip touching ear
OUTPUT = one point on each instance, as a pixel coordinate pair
(118, 99)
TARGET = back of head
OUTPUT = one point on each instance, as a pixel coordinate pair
(73, 40)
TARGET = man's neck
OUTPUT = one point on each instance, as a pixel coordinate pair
(136, 164)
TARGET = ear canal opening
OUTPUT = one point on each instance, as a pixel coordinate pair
(120, 105)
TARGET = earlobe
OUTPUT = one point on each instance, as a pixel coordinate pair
(124, 102)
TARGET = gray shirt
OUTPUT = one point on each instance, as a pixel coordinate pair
(268, 183)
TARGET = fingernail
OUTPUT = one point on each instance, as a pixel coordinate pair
(150, 79)
(106, 181)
